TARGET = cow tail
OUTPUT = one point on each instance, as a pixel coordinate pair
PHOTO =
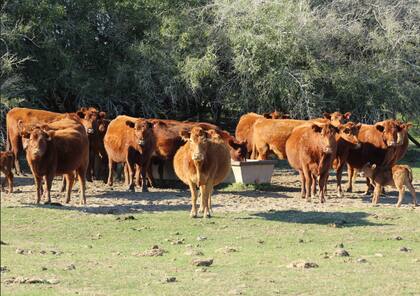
(410, 174)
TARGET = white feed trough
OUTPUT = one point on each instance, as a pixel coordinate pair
(246, 172)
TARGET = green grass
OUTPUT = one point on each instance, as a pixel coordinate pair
(266, 242)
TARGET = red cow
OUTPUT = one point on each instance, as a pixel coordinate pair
(6, 165)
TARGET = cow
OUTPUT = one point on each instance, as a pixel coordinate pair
(346, 140)
(131, 141)
(204, 161)
(396, 176)
(6, 165)
(60, 147)
(311, 149)
(379, 143)
(30, 117)
(98, 159)
(244, 128)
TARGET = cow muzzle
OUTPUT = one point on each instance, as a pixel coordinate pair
(357, 145)
(328, 150)
(392, 144)
(198, 157)
(142, 142)
(90, 131)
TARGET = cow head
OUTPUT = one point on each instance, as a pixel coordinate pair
(403, 131)
(368, 170)
(238, 149)
(327, 133)
(198, 139)
(276, 115)
(90, 118)
(337, 118)
(349, 132)
(142, 130)
(389, 130)
(35, 139)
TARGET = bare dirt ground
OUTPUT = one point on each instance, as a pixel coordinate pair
(284, 193)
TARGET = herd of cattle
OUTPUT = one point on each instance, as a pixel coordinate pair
(87, 145)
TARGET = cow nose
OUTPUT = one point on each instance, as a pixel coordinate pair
(358, 145)
(90, 131)
(197, 156)
(328, 150)
(392, 144)
(142, 142)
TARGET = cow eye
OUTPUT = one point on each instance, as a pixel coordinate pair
(347, 131)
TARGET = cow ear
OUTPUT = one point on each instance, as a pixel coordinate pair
(327, 115)
(335, 129)
(379, 127)
(102, 115)
(374, 166)
(408, 125)
(267, 115)
(347, 115)
(316, 128)
(130, 123)
(185, 135)
(81, 114)
(358, 126)
(149, 124)
(285, 116)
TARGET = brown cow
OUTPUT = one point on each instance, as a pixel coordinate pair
(202, 162)
(30, 117)
(6, 165)
(269, 135)
(311, 149)
(378, 146)
(346, 140)
(396, 176)
(244, 128)
(58, 148)
(130, 140)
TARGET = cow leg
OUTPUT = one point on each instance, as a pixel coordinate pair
(144, 169)
(401, 192)
(370, 187)
(81, 176)
(193, 189)
(126, 175)
(63, 184)
(376, 194)
(110, 172)
(302, 180)
(90, 166)
(350, 172)
(339, 173)
(48, 184)
(16, 143)
(322, 184)
(205, 192)
(279, 153)
(412, 191)
(131, 172)
(308, 183)
(313, 187)
(138, 176)
(209, 199)
(38, 186)
(70, 181)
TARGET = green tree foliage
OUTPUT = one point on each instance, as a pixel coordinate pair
(213, 60)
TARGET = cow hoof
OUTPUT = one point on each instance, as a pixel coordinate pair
(207, 215)
(349, 190)
(144, 190)
(131, 189)
(193, 215)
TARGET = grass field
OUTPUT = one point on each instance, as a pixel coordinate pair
(255, 234)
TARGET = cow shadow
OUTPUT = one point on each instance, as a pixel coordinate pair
(333, 219)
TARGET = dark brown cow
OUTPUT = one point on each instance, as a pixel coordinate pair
(378, 146)
(58, 148)
(30, 117)
(6, 165)
(98, 159)
(130, 140)
(311, 149)
(202, 162)
(244, 128)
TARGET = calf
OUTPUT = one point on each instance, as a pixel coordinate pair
(6, 165)
(396, 176)
(130, 140)
(58, 148)
(311, 149)
(202, 162)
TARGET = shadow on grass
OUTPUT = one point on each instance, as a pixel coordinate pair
(334, 219)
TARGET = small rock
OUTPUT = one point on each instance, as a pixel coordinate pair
(88, 246)
(227, 250)
(153, 252)
(177, 233)
(3, 243)
(177, 241)
(55, 252)
(203, 269)
(398, 238)
(52, 281)
(260, 241)
(325, 255)
(203, 262)
(20, 251)
(341, 253)
(43, 268)
(4, 269)
(170, 279)
(118, 218)
(300, 241)
(405, 249)
(378, 255)
(130, 218)
(43, 252)
(70, 267)
(361, 260)
(303, 264)
(340, 245)
(35, 281)
(416, 260)
(30, 252)
(201, 238)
